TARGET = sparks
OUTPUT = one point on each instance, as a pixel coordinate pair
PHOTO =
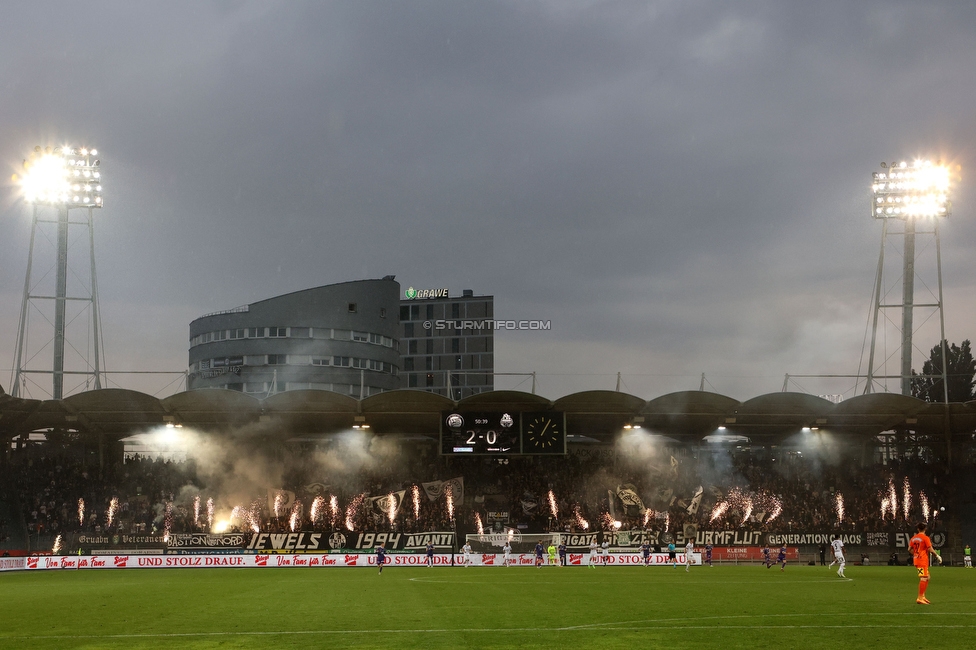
(746, 510)
(352, 510)
(552, 505)
(667, 521)
(81, 512)
(923, 501)
(196, 511)
(906, 499)
(885, 507)
(113, 507)
(776, 511)
(334, 510)
(477, 522)
(279, 500)
(57, 545)
(295, 519)
(839, 499)
(606, 521)
(415, 493)
(210, 513)
(391, 512)
(167, 521)
(648, 514)
(892, 498)
(450, 503)
(719, 510)
(315, 512)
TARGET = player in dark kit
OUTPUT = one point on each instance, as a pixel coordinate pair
(538, 554)
(562, 554)
(782, 557)
(645, 550)
(766, 559)
(708, 554)
(380, 557)
(430, 555)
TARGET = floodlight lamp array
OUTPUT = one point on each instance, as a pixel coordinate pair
(911, 191)
(66, 177)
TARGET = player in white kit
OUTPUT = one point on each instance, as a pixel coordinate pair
(689, 549)
(605, 549)
(838, 546)
(466, 549)
(593, 554)
(507, 549)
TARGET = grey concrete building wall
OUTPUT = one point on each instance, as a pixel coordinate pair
(437, 353)
(341, 337)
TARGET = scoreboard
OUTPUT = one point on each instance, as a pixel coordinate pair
(502, 433)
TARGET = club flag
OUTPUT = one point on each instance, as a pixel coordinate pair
(696, 501)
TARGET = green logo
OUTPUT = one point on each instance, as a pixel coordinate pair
(410, 293)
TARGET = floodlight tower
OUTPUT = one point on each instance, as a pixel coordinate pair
(60, 180)
(915, 195)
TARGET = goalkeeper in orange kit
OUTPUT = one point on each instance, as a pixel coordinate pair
(921, 546)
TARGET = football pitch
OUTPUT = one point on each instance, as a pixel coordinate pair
(608, 607)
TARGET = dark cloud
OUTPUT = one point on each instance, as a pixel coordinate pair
(678, 186)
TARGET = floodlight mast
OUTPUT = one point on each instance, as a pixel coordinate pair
(910, 193)
(62, 178)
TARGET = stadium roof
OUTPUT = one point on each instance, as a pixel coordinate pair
(599, 415)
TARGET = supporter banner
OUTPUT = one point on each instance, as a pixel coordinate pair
(206, 541)
(12, 563)
(382, 505)
(93, 541)
(325, 542)
(73, 562)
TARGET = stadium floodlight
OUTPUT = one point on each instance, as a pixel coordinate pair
(63, 177)
(910, 191)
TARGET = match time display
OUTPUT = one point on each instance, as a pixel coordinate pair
(502, 433)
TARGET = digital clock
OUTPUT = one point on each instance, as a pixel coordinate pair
(480, 433)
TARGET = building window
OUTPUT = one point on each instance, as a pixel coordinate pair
(455, 345)
(255, 332)
(352, 308)
(237, 334)
(428, 363)
(456, 310)
(341, 362)
(277, 359)
(457, 362)
(408, 363)
(412, 347)
(404, 312)
(318, 361)
(256, 387)
(220, 335)
(375, 365)
(205, 364)
(430, 346)
(412, 381)
(430, 379)
(408, 330)
(277, 332)
(414, 312)
(362, 337)
(430, 312)
(360, 363)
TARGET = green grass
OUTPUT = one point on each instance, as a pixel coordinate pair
(619, 607)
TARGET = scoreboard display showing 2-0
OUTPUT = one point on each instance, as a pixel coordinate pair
(480, 433)
(503, 433)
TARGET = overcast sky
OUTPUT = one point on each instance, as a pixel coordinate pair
(680, 187)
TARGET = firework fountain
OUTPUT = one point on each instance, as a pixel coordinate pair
(294, 520)
(113, 507)
(923, 501)
(196, 511)
(477, 521)
(57, 545)
(315, 512)
(906, 499)
(450, 503)
(333, 510)
(279, 501)
(352, 510)
(581, 523)
(415, 493)
(552, 505)
(81, 512)
(210, 513)
(391, 511)
(839, 505)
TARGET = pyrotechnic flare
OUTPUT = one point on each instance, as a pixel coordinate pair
(906, 499)
(415, 492)
(746, 510)
(924, 502)
(334, 508)
(450, 503)
(477, 521)
(295, 517)
(315, 512)
(210, 513)
(606, 520)
(777, 509)
(167, 521)
(352, 510)
(81, 512)
(667, 521)
(719, 510)
(196, 511)
(391, 511)
(57, 545)
(552, 505)
(237, 513)
(892, 498)
(885, 506)
(839, 498)
(113, 507)
(279, 501)
(578, 518)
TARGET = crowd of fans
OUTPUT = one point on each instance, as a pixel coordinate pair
(59, 494)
